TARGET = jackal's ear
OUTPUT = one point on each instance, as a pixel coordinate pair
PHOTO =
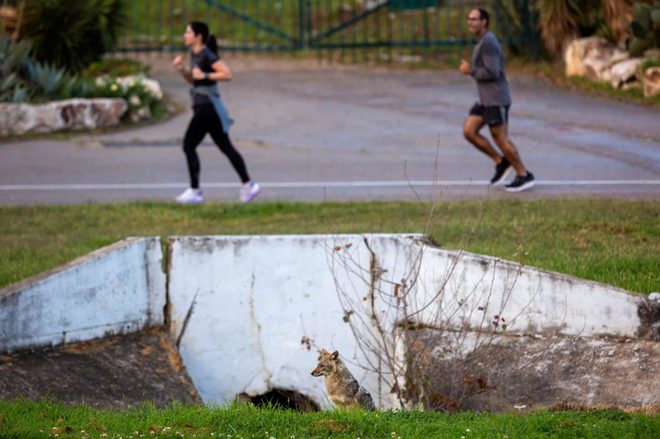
(335, 354)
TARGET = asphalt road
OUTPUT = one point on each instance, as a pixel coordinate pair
(315, 132)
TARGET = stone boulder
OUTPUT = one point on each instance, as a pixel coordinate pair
(652, 82)
(624, 71)
(596, 52)
(71, 114)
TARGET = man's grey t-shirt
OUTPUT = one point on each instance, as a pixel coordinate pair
(488, 70)
(204, 60)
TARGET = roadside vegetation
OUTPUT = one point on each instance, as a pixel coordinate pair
(44, 419)
(57, 53)
(610, 241)
(553, 72)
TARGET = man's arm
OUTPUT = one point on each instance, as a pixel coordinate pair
(490, 71)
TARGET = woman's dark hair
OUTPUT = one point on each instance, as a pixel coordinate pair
(201, 28)
(484, 15)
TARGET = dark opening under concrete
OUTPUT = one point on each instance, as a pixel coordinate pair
(284, 399)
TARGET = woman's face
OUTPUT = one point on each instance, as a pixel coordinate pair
(189, 36)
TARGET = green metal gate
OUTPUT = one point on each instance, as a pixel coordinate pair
(366, 29)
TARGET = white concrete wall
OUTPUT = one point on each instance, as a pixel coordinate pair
(474, 289)
(242, 306)
(249, 301)
(117, 289)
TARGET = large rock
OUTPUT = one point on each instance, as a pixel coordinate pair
(624, 71)
(71, 114)
(595, 48)
(597, 66)
(596, 69)
(652, 82)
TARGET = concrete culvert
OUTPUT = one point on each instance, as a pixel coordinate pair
(283, 399)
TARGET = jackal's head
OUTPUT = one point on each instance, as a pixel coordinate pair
(327, 363)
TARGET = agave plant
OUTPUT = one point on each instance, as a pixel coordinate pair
(46, 79)
(13, 57)
(24, 79)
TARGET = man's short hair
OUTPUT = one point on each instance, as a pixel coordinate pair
(484, 15)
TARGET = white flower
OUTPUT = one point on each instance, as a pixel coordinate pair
(153, 87)
(150, 85)
(134, 100)
(114, 87)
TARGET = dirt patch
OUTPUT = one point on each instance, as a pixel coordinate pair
(511, 374)
(115, 372)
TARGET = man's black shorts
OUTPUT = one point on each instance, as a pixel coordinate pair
(493, 116)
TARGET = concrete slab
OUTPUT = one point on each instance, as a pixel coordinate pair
(117, 289)
(247, 314)
(250, 312)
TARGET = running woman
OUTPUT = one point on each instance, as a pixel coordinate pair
(209, 112)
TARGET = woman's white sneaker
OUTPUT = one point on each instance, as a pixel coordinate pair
(249, 191)
(190, 195)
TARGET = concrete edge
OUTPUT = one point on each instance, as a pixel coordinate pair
(92, 256)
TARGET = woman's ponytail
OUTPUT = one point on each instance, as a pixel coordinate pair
(212, 43)
(201, 28)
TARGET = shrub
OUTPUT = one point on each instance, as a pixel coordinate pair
(142, 95)
(73, 33)
(115, 67)
(522, 18)
(645, 27)
(22, 79)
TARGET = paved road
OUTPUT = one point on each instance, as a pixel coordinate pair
(330, 132)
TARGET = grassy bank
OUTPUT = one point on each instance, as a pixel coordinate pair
(615, 242)
(25, 419)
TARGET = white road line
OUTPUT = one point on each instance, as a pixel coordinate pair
(315, 184)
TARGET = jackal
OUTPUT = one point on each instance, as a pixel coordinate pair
(343, 388)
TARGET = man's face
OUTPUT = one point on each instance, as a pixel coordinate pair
(475, 24)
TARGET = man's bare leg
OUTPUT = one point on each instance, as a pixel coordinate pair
(501, 138)
(471, 128)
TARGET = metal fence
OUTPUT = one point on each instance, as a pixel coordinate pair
(382, 30)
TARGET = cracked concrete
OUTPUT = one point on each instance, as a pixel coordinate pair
(254, 310)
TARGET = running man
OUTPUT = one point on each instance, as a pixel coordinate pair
(493, 106)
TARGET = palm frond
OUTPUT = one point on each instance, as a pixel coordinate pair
(618, 14)
(558, 20)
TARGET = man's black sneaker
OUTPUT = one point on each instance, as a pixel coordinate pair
(502, 171)
(521, 183)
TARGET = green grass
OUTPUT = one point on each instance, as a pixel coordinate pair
(26, 419)
(615, 242)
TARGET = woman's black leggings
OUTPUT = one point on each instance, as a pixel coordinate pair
(206, 120)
